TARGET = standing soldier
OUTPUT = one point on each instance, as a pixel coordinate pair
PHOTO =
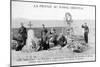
(23, 33)
(44, 43)
(86, 31)
(44, 29)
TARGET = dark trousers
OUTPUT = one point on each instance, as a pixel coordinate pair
(86, 37)
(44, 45)
(21, 45)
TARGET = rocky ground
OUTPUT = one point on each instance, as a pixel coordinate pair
(55, 54)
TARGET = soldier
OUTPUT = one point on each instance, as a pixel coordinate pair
(44, 29)
(44, 43)
(53, 36)
(62, 40)
(23, 34)
(86, 31)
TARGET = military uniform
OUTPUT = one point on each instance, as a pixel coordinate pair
(86, 31)
(62, 40)
(23, 36)
(44, 43)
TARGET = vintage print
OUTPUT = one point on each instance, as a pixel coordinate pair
(49, 33)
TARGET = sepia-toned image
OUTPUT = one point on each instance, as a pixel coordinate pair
(51, 33)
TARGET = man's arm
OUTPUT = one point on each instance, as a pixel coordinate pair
(83, 26)
(19, 30)
(25, 31)
(88, 29)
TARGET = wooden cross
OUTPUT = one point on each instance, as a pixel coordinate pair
(30, 24)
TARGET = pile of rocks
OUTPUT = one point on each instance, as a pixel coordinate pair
(77, 44)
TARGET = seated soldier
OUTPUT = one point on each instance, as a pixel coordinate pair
(53, 36)
(62, 41)
(19, 40)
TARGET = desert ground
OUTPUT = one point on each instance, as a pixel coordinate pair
(56, 55)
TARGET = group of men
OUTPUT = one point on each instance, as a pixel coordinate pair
(50, 38)
(47, 37)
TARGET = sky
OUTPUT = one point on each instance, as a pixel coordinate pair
(26, 12)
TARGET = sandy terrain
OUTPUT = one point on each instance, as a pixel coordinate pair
(57, 55)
